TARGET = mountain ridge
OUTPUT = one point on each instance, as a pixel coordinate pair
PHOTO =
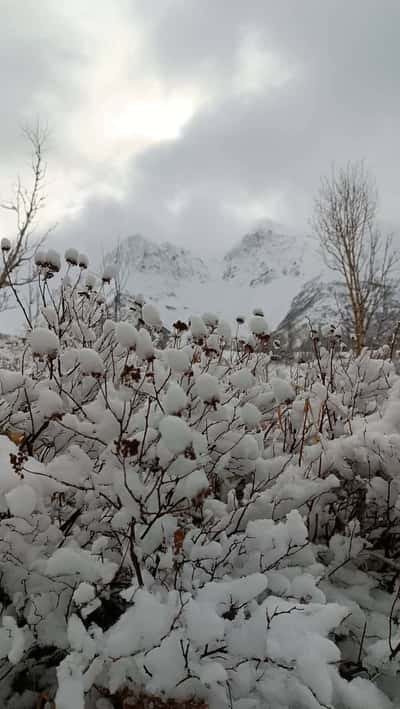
(267, 268)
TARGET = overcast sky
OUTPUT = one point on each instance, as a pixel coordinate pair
(189, 120)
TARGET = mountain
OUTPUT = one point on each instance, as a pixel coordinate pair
(323, 301)
(267, 268)
(316, 303)
(265, 255)
(282, 273)
(140, 255)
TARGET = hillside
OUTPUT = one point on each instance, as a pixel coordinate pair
(267, 269)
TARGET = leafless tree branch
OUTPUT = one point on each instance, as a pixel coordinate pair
(26, 204)
(345, 222)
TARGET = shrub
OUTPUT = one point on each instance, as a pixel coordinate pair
(188, 526)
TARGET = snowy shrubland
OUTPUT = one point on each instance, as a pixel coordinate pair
(188, 525)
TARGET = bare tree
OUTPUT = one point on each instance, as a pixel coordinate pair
(121, 272)
(25, 206)
(345, 221)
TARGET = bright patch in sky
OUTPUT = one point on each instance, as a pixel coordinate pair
(153, 119)
(252, 211)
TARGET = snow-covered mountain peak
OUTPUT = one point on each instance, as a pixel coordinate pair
(255, 240)
(172, 263)
(264, 255)
(267, 269)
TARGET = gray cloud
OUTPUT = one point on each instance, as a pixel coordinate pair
(342, 102)
(39, 58)
(247, 148)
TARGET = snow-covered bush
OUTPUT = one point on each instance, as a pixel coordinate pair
(186, 524)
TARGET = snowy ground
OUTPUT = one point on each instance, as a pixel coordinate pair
(225, 298)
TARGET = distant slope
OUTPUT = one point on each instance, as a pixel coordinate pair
(142, 256)
(282, 273)
(265, 269)
(264, 255)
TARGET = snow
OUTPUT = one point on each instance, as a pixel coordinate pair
(210, 319)
(52, 259)
(9, 381)
(212, 550)
(12, 640)
(50, 314)
(250, 415)
(50, 403)
(360, 694)
(108, 327)
(203, 624)
(258, 325)
(70, 562)
(90, 281)
(90, 362)
(151, 316)
(208, 388)
(84, 593)
(179, 284)
(283, 390)
(70, 694)
(126, 335)
(176, 434)
(224, 330)
(71, 256)
(40, 256)
(198, 326)
(178, 360)
(21, 500)
(242, 378)
(83, 261)
(195, 484)
(144, 345)
(8, 477)
(220, 526)
(148, 616)
(43, 341)
(175, 399)
(182, 285)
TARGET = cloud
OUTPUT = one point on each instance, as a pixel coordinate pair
(39, 59)
(186, 120)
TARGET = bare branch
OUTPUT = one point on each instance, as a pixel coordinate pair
(344, 221)
(26, 205)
